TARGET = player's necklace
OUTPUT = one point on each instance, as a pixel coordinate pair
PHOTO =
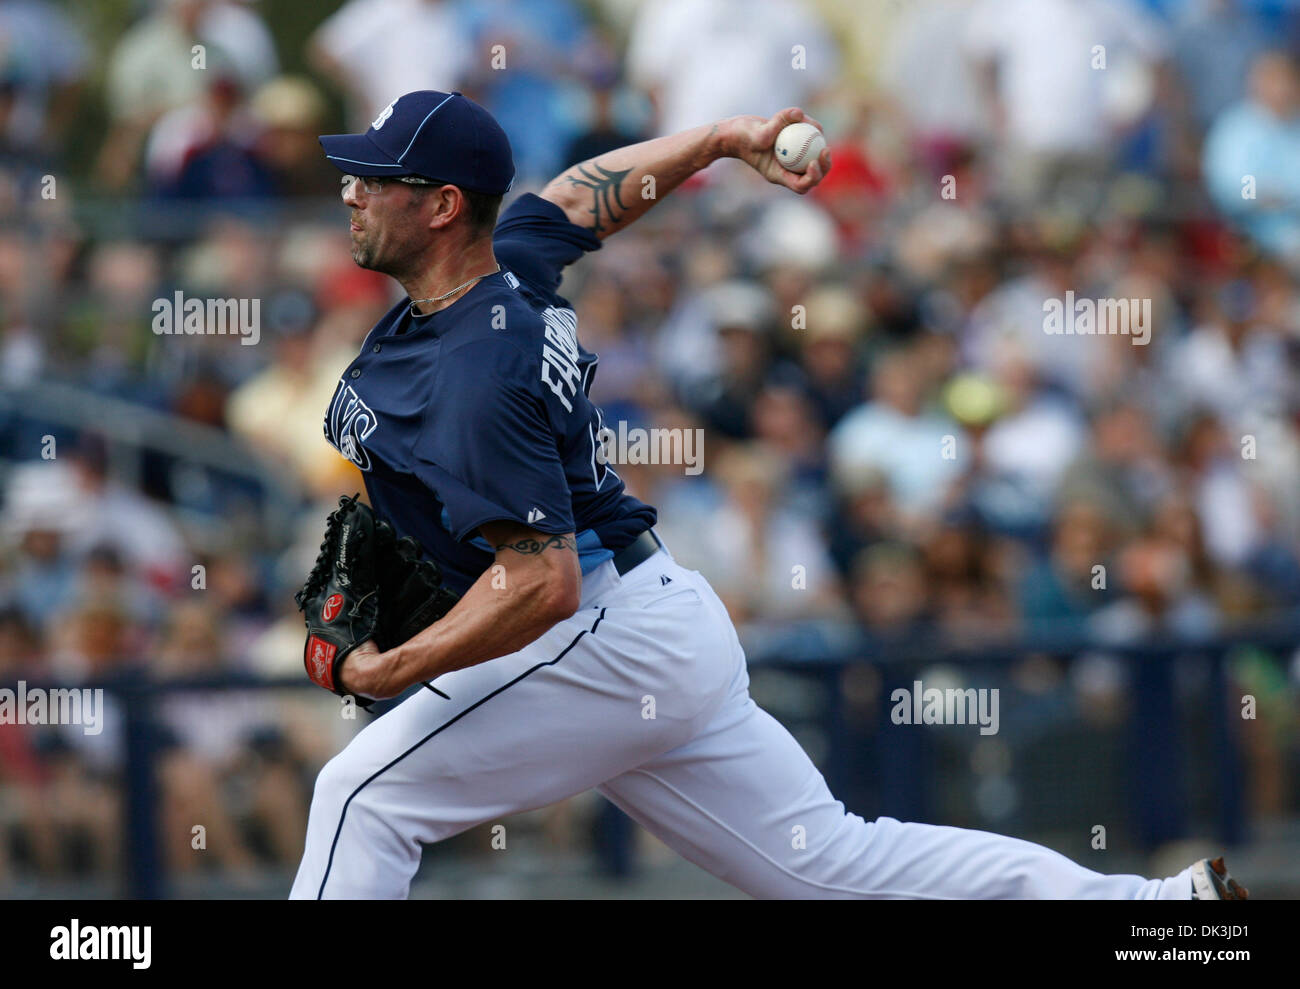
(448, 295)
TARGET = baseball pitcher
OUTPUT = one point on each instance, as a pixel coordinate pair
(502, 567)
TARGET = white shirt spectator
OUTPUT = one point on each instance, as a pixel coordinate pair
(391, 47)
(216, 725)
(1054, 99)
(1035, 446)
(139, 529)
(720, 544)
(1226, 508)
(53, 494)
(1240, 384)
(1008, 325)
(245, 40)
(908, 449)
(152, 67)
(709, 59)
(927, 73)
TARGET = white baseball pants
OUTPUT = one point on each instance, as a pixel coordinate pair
(644, 694)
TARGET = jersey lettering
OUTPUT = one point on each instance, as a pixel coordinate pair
(560, 354)
(562, 330)
(348, 424)
(567, 385)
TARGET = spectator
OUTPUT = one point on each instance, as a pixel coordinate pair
(741, 315)
(1248, 156)
(1225, 499)
(1215, 42)
(289, 112)
(894, 433)
(42, 509)
(1158, 597)
(1058, 592)
(962, 573)
(829, 353)
(542, 43)
(207, 151)
(1037, 56)
(605, 128)
(155, 67)
(889, 592)
(114, 514)
(929, 77)
(376, 50)
(44, 57)
(702, 60)
(863, 513)
(766, 561)
(1232, 362)
(280, 409)
(1121, 471)
(1025, 445)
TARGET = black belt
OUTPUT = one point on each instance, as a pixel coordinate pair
(638, 551)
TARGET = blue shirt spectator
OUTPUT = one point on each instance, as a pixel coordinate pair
(525, 85)
(1251, 153)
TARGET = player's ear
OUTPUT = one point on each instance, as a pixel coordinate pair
(444, 204)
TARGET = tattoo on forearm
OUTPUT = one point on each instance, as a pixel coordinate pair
(605, 186)
(531, 547)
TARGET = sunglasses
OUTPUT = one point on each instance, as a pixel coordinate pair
(374, 184)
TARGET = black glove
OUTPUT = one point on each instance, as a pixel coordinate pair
(367, 583)
(340, 600)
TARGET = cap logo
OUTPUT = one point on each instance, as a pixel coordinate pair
(383, 116)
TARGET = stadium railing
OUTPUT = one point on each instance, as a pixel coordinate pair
(1152, 762)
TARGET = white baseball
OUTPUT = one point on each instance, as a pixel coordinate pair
(798, 145)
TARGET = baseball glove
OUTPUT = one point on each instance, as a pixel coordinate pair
(411, 593)
(367, 584)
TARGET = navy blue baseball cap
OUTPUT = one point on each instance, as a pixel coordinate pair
(443, 136)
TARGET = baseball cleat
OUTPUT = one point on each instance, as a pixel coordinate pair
(1210, 881)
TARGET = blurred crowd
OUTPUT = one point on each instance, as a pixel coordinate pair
(892, 437)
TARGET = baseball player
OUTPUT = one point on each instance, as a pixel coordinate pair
(579, 654)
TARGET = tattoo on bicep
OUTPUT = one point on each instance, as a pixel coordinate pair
(605, 186)
(531, 547)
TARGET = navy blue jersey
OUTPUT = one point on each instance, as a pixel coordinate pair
(479, 412)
